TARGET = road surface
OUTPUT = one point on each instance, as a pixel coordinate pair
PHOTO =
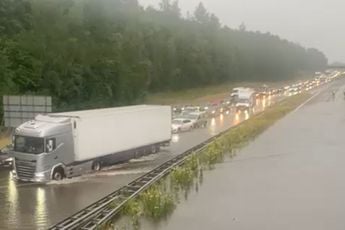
(35, 206)
(290, 178)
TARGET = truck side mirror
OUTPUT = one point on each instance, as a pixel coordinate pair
(50, 146)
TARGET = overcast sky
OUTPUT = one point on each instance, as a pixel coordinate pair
(311, 23)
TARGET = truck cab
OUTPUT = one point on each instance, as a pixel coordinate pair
(245, 100)
(42, 148)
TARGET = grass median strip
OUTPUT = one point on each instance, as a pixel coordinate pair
(207, 93)
(160, 200)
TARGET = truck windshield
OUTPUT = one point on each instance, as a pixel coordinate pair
(34, 145)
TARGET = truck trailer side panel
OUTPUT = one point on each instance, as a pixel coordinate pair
(123, 129)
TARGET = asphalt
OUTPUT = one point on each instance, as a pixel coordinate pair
(37, 206)
(291, 177)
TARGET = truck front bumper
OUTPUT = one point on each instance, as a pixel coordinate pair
(39, 177)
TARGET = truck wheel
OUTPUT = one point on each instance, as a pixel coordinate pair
(155, 149)
(58, 174)
(96, 166)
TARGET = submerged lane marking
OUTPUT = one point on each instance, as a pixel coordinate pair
(304, 103)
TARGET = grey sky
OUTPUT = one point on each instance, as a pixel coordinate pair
(311, 23)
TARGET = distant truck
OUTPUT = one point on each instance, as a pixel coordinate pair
(234, 94)
(56, 146)
(237, 93)
(245, 99)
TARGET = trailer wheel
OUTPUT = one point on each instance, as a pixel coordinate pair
(58, 174)
(154, 149)
(96, 166)
(158, 148)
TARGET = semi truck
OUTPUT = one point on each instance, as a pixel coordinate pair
(64, 145)
(239, 92)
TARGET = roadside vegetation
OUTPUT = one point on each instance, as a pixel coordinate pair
(5, 137)
(4, 141)
(203, 94)
(90, 54)
(160, 200)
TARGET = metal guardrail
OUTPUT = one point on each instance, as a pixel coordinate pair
(103, 210)
(106, 208)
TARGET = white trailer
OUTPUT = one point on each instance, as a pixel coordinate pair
(69, 144)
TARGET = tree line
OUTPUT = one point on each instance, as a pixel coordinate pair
(89, 54)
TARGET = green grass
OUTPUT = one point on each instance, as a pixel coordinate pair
(205, 94)
(4, 141)
(161, 199)
(5, 137)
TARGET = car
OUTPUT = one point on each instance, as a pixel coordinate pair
(216, 108)
(177, 110)
(293, 91)
(192, 109)
(263, 91)
(5, 160)
(198, 119)
(212, 109)
(181, 125)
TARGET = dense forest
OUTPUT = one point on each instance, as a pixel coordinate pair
(88, 53)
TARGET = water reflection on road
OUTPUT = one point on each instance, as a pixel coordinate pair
(34, 206)
(290, 177)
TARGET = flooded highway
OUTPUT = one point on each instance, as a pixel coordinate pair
(290, 177)
(37, 206)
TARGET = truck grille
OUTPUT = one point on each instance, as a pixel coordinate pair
(25, 169)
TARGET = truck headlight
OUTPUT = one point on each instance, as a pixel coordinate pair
(39, 175)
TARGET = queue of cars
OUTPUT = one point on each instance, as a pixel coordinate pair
(240, 99)
(303, 86)
(186, 118)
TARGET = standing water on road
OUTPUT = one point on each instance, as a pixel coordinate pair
(35, 206)
(291, 177)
